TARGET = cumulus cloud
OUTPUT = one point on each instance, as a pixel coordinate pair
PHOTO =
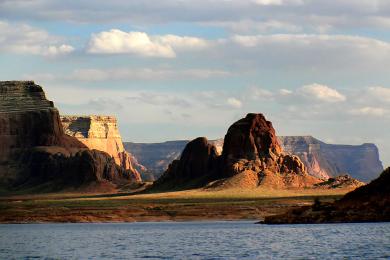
(139, 43)
(321, 92)
(25, 39)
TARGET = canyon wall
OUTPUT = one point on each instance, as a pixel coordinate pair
(330, 160)
(100, 133)
(35, 151)
(322, 160)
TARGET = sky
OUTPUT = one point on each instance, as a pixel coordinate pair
(179, 69)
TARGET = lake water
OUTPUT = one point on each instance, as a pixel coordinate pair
(195, 240)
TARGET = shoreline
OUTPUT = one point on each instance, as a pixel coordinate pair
(190, 205)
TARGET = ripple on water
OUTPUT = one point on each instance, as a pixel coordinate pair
(195, 240)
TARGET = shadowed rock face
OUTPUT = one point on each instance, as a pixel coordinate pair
(34, 149)
(368, 203)
(251, 144)
(197, 165)
(251, 152)
(250, 138)
(100, 133)
(321, 160)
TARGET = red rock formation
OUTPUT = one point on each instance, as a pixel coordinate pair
(196, 166)
(100, 133)
(251, 145)
(34, 149)
(251, 152)
(369, 203)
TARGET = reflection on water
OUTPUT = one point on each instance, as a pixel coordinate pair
(195, 240)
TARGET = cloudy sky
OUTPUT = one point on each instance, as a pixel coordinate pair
(178, 69)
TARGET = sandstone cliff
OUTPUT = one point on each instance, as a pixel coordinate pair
(330, 160)
(35, 151)
(100, 133)
(321, 160)
(368, 203)
(251, 156)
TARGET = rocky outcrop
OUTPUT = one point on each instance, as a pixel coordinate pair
(197, 166)
(321, 160)
(342, 181)
(330, 160)
(35, 151)
(251, 145)
(369, 203)
(100, 133)
(251, 150)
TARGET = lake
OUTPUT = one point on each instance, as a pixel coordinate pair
(194, 240)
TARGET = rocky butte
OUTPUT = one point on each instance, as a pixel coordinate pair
(251, 156)
(100, 133)
(321, 160)
(36, 153)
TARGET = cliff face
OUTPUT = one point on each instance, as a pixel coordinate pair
(251, 156)
(330, 160)
(321, 160)
(34, 149)
(100, 133)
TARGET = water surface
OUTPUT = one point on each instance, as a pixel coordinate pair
(195, 240)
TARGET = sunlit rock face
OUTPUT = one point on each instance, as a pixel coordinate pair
(35, 151)
(251, 156)
(330, 160)
(251, 146)
(100, 133)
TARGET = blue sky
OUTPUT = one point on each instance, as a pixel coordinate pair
(181, 69)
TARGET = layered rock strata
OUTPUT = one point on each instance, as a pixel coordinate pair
(321, 160)
(35, 151)
(100, 133)
(330, 160)
(250, 152)
(369, 203)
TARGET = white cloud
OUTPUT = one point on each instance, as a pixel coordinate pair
(278, 2)
(285, 92)
(148, 74)
(321, 92)
(25, 39)
(234, 102)
(380, 93)
(370, 111)
(116, 42)
(139, 43)
(182, 42)
(259, 93)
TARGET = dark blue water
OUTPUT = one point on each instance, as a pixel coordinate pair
(195, 240)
